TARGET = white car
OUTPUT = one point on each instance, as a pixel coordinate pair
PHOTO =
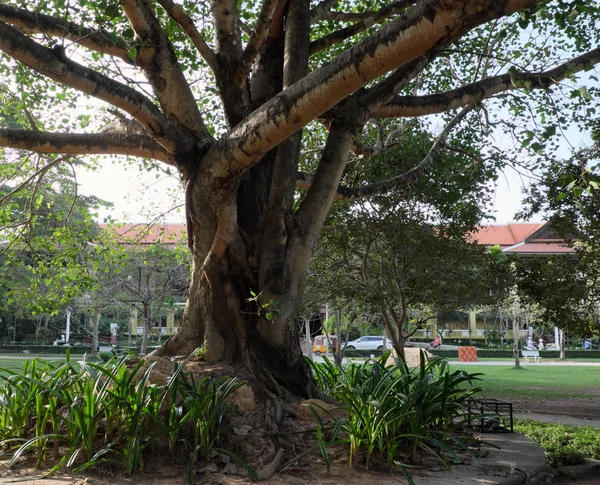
(367, 342)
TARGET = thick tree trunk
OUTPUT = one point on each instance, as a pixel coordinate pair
(233, 329)
(220, 312)
(245, 235)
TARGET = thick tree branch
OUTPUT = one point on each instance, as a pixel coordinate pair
(358, 148)
(37, 23)
(187, 24)
(281, 195)
(304, 181)
(233, 91)
(409, 106)
(313, 209)
(418, 31)
(158, 60)
(85, 144)
(321, 10)
(53, 64)
(229, 43)
(347, 32)
(257, 36)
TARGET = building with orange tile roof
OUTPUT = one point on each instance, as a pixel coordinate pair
(523, 239)
(143, 234)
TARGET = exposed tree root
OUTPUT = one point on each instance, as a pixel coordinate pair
(268, 471)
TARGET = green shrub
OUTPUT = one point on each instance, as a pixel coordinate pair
(201, 355)
(105, 356)
(105, 413)
(392, 411)
(563, 445)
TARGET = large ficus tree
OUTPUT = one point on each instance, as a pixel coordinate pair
(228, 92)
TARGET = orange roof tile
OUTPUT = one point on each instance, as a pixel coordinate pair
(504, 235)
(164, 233)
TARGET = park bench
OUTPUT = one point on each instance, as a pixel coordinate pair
(531, 354)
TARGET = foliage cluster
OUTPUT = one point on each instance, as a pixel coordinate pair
(51, 248)
(563, 444)
(84, 414)
(407, 257)
(393, 411)
(566, 286)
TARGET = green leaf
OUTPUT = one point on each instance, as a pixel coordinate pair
(112, 37)
(132, 53)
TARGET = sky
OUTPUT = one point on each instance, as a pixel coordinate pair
(141, 196)
(138, 196)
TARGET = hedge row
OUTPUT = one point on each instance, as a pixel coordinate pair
(44, 349)
(500, 353)
(363, 353)
(55, 349)
(463, 342)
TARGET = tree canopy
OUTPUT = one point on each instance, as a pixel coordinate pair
(232, 94)
(566, 287)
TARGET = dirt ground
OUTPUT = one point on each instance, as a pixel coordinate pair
(577, 411)
(584, 411)
(339, 474)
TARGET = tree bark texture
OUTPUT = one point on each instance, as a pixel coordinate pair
(146, 332)
(95, 323)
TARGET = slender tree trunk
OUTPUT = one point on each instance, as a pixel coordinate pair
(95, 323)
(516, 338)
(338, 351)
(561, 339)
(146, 320)
(393, 324)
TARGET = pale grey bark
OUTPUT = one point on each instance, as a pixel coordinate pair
(85, 144)
(156, 57)
(38, 23)
(413, 106)
(95, 323)
(187, 24)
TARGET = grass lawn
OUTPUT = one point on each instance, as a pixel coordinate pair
(17, 364)
(536, 381)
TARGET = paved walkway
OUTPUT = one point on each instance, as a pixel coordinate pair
(511, 459)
